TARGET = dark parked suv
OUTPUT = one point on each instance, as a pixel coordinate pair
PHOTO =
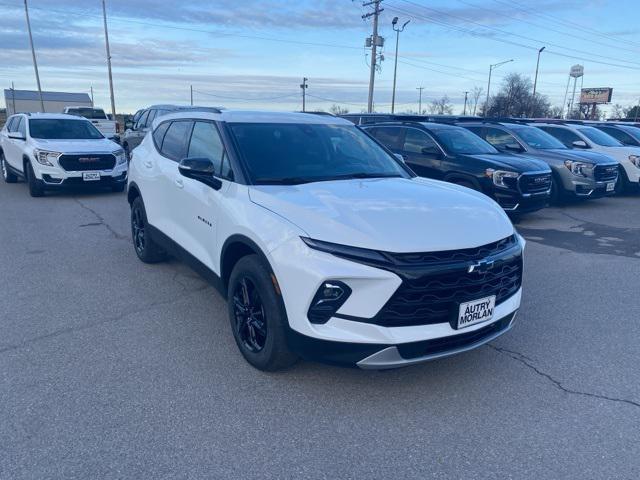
(576, 174)
(453, 154)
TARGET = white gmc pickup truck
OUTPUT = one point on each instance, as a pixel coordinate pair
(99, 119)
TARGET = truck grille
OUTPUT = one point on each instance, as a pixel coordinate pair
(434, 284)
(535, 183)
(86, 162)
(604, 173)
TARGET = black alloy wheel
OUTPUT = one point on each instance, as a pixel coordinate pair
(250, 318)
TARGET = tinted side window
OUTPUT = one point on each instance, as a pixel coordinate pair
(415, 141)
(11, 123)
(619, 135)
(142, 120)
(150, 118)
(564, 135)
(499, 138)
(158, 134)
(21, 127)
(390, 137)
(206, 143)
(174, 145)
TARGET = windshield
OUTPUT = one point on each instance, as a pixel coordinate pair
(283, 153)
(88, 112)
(537, 138)
(58, 129)
(462, 141)
(599, 137)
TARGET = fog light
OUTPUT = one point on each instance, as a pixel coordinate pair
(328, 299)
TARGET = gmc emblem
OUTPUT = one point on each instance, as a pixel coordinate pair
(539, 179)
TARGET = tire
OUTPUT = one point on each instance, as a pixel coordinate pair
(556, 198)
(622, 183)
(146, 248)
(119, 188)
(7, 175)
(257, 316)
(35, 186)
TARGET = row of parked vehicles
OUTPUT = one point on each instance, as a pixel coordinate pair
(328, 239)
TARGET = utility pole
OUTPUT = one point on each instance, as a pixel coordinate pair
(13, 97)
(191, 91)
(304, 85)
(395, 67)
(420, 100)
(92, 96)
(33, 54)
(375, 42)
(106, 37)
(535, 81)
(464, 112)
(491, 68)
(635, 119)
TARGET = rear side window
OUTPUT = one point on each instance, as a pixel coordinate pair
(142, 120)
(150, 118)
(390, 137)
(174, 145)
(619, 135)
(158, 134)
(206, 143)
(417, 141)
(565, 135)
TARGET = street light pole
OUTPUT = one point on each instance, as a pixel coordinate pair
(106, 37)
(33, 54)
(395, 68)
(535, 81)
(420, 100)
(464, 112)
(491, 68)
(304, 85)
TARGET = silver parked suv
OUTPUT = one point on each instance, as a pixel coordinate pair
(136, 129)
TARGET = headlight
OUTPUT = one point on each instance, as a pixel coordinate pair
(45, 157)
(635, 159)
(502, 178)
(360, 255)
(120, 156)
(577, 168)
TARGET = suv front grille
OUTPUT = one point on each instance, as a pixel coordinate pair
(535, 183)
(604, 173)
(87, 162)
(434, 284)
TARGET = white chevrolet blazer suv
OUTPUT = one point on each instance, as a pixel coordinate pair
(52, 151)
(325, 245)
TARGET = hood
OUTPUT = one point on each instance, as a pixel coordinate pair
(518, 163)
(585, 156)
(101, 145)
(390, 214)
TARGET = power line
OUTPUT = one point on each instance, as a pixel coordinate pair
(244, 99)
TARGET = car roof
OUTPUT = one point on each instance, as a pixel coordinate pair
(54, 116)
(255, 116)
(410, 123)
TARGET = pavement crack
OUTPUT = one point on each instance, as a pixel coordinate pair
(101, 220)
(523, 359)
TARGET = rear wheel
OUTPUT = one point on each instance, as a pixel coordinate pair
(7, 175)
(257, 316)
(36, 189)
(146, 248)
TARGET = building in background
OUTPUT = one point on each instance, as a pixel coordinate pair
(54, 102)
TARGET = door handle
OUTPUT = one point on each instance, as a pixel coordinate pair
(179, 183)
(148, 164)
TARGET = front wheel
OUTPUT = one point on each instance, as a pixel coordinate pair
(7, 175)
(35, 186)
(621, 183)
(257, 317)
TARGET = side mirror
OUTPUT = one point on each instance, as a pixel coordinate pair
(514, 147)
(580, 144)
(400, 157)
(200, 169)
(128, 125)
(17, 136)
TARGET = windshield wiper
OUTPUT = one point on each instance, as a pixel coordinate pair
(365, 175)
(284, 181)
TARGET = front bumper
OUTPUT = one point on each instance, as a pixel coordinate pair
(50, 182)
(514, 202)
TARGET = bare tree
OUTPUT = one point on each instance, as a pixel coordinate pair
(516, 100)
(338, 110)
(441, 106)
(476, 93)
(617, 111)
(556, 112)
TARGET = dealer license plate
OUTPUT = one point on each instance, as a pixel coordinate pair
(611, 186)
(90, 176)
(476, 311)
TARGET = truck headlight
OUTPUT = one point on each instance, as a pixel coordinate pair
(577, 168)
(502, 178)
(121, 158)
(635, 159)
(44, 157)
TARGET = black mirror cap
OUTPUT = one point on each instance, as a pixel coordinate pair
(16, 136)
(200, 169)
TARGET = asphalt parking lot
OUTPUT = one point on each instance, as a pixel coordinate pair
(110, 368)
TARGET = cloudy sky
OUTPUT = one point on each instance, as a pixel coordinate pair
(254, 53)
